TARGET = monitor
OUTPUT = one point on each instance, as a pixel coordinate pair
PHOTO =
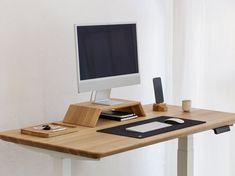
(107, 57)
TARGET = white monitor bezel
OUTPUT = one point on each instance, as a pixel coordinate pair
(105, 82)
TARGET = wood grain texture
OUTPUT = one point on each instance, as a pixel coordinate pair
(160, 107)
(89, 143)
(87, 114)
(82, 115)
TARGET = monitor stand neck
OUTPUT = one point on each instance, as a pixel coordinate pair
(103, 97)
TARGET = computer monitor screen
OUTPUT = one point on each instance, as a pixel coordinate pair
(109, 50)
(107, 56)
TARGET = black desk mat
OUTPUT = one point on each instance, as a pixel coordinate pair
(121, 130)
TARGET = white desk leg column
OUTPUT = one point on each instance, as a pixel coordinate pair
(57, 166)
(185, 156)
(61, 167)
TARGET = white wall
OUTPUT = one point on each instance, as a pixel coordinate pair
(38, 81)
(203, 70)
(217, 87)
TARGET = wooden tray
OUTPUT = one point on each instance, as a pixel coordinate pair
(49, 133)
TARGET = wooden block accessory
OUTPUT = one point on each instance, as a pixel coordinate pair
(87, 113)
(162, 107)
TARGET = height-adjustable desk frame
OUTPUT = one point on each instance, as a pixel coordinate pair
(89, 144)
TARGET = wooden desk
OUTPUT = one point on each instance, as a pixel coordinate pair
(91, 144)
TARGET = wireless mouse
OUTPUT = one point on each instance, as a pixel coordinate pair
(174, 121)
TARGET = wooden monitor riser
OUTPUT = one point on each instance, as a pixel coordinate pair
(87, 114)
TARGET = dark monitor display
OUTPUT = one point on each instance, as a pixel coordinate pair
(107, 50)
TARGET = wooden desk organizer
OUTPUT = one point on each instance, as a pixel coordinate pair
(49, 133)
(87, 114)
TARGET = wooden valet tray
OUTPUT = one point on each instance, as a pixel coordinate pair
(50, 133)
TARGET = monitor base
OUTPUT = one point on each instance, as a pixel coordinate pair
(103, 97)
(108, 102)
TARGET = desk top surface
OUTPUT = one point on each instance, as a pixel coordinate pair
(89, 143)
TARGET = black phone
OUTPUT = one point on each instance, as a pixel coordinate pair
(157, 85)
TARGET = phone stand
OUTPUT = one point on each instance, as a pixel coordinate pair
(162, 107)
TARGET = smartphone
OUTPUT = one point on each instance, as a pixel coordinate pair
(157, 85)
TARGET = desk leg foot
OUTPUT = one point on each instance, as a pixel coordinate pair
(185, 156)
